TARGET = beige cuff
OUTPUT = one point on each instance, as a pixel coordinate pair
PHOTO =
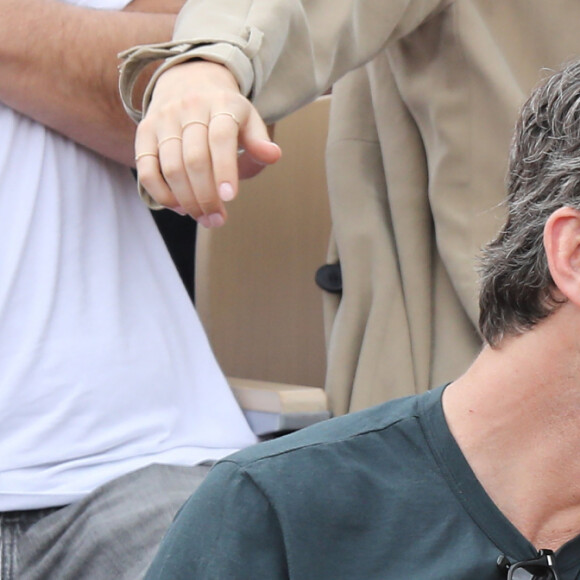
(236, 55)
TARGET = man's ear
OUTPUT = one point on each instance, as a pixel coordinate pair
(562, 246)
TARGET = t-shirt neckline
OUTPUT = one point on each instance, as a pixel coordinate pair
(471, 494)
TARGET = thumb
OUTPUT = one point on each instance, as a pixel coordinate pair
(259, 149)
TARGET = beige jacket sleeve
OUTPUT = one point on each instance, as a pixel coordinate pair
(282, 52)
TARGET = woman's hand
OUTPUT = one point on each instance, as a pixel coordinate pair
(187, 149)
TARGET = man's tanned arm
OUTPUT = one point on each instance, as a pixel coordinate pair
(58, 66)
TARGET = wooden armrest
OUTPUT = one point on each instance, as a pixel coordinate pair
(277, 407)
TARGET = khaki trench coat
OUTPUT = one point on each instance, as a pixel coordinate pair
(425, 96)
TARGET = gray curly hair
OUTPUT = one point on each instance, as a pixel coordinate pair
(517, 290)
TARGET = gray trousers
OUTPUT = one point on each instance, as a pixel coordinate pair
(112, 534)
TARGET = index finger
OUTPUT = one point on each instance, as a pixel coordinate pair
(224, 136)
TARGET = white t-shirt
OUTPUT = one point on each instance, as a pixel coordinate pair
(104, 366)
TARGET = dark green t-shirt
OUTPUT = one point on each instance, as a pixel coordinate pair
(381, 494)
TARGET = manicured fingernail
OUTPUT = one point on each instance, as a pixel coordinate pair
(204, 221)
(216, 220)
(226, 191)
(178, 209)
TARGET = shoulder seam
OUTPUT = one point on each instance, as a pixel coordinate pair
(246, 464)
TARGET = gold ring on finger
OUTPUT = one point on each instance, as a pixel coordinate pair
(194, 122)
(227, 114)
(169, 139)
(146, 154)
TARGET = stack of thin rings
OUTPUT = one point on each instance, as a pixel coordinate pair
(180, 138)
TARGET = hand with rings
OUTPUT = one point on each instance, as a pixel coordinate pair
(187, 145)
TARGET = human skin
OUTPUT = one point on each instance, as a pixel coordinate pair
(58, 65)
(197, 174)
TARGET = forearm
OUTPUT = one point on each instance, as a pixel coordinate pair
(58, 65)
